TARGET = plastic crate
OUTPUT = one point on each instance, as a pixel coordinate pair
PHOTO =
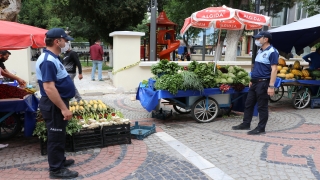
(43, 146)
(116, 134)
(315, 103)
(87, 138)
(141, 132)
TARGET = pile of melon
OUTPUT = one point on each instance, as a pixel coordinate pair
(294, 71)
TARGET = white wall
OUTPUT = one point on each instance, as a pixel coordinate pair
(20, 62)
(126, 51)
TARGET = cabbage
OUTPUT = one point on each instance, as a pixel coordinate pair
(231, 69)
(231, 75)
(224, 75)
(217, 80)
(241, 74)
(230, 80)
(223, 81)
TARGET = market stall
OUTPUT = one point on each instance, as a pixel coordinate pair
(11, 111)
(195, 89)
(297, 83)
(16, 107)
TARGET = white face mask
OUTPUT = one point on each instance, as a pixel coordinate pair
(65, 48)
(257, 42)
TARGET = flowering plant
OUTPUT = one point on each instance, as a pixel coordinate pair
(224, 87)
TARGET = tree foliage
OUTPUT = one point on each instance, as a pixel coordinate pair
(88, 19)
(313, 6)
(104, 16)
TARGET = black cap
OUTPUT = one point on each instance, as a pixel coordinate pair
(58, 33)
(263, 34)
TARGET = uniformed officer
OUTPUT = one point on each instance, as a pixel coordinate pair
(56, 88)
(263, 77)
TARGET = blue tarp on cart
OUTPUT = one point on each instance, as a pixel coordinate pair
(149, 97)
(29, 105)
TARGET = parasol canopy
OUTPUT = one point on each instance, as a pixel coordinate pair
(20, 36)
(226, 18)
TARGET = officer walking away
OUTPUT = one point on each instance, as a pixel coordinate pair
(71, 62)
(263, 77)
(56, 88)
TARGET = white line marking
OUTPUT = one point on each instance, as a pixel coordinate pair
(204, 165)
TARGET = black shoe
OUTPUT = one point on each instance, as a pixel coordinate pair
(63, 174)
(256, 131)
(241, 127)
(68, 162)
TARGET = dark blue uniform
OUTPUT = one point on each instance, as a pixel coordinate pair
(50, 69)
(258, 92)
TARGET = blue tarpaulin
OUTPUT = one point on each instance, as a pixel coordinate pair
(149, 98)
(29, 105)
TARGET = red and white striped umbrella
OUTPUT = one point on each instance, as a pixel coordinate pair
(225, 18)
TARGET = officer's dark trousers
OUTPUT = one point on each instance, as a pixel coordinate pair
(257, 94)
(56, 128)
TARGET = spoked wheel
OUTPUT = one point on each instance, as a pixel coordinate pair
(301, 99)
(205, 110)
(181, 110)
(10, 126)
(278, 94)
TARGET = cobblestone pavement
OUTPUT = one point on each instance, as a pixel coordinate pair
(289, 149)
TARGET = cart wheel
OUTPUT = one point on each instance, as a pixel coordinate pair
(301, 99)
(202, 114)
(181, 110)
(10, 126)
(278, 94)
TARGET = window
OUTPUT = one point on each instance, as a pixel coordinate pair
(280, 19)
(301, 12)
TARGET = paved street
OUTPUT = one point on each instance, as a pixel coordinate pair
(289, 149)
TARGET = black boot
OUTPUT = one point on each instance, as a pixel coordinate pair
(63, 174)
(241, 127)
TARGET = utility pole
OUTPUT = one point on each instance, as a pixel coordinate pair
(254, 50)
(153, 51)
(204, 44)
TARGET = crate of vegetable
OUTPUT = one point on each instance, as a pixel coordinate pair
(116, 134)
(87, 138)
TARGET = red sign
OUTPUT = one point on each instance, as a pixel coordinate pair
(253, 18)
(200, 24)
(214, 13)
(231, 24)
(252, 26)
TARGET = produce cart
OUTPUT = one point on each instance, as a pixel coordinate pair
(204, 106)
(300, 91)
(12, 111)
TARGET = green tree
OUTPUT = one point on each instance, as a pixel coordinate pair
(104, 16)
(313, 6)
(39, 13)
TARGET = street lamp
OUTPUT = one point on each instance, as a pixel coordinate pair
(153, 7)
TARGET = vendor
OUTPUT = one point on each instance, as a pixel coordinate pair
(4, 55)
(313, 59)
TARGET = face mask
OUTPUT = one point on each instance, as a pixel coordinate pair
(65, 48)
(257, 42)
